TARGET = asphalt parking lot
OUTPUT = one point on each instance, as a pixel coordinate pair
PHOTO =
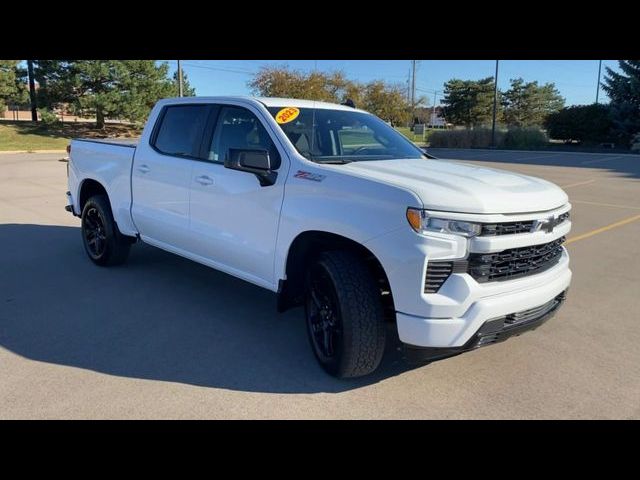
(162, 337)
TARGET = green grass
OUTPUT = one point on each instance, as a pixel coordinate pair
(406, 131)
(362, 137)
(29, 136)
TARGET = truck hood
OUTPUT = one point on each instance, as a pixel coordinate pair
(461, 187)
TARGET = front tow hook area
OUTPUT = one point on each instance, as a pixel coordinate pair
(491, 332)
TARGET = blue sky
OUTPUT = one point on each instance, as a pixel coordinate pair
(575, 79)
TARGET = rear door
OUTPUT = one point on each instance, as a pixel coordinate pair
(162, 172)
(234, 219)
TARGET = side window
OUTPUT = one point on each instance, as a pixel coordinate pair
(180, 130)
(239, 128)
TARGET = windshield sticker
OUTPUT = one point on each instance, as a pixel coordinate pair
(316, 177)
(287, 115)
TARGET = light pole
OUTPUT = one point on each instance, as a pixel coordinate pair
(179, 79)
(32, 92)
(433, 112)
(598, 86)
(495, 106)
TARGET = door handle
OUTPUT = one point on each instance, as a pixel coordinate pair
(143, 168)
(204, 180)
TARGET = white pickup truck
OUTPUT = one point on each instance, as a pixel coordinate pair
(332, 209)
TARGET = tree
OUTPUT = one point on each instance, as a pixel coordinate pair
(13, 84)
(624, 91)
(274, 81)
(187, 89)
(105, 88)
(468, 102)
(388, 102)
(529, 104)
(584, 123)
(54, 83)
(382, 99)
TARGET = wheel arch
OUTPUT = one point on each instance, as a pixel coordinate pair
(88, 188)
(306, 246)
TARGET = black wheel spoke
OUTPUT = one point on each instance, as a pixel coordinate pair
(94, 232)
(316, 300)
(324, 322)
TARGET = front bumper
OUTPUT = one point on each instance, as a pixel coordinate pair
(493, 331)
(457, 331)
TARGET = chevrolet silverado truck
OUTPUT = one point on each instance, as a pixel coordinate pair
(333, 210)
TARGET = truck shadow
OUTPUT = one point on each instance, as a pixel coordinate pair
(159, 317)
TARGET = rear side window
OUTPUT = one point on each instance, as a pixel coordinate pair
(180, 130)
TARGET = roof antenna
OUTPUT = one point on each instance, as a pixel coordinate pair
(349, 103)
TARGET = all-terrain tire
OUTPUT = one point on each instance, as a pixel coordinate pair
(360, 345)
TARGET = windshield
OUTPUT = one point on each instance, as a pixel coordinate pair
(342, 136)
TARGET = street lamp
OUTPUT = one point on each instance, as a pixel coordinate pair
(495, 106)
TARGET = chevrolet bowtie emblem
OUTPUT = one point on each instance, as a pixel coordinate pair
(544, 225)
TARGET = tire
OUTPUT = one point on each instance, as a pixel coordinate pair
(102, 240)
(344, 315)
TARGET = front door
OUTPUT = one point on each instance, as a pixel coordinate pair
(234, 219)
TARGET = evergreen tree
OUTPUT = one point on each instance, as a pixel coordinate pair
(468, 102)
(13, 84)
(529, 104)
(187, 89)
(624, 91)
(124, 89)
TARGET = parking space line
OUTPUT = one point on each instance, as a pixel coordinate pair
(598, 204)
(603, 229)
(577, 184)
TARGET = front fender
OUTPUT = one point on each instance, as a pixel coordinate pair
(352, 207)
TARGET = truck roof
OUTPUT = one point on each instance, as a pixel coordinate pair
(267, 101)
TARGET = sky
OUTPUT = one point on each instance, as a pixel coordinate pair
(575, 79)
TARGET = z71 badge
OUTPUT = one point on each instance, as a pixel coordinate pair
(316, 177)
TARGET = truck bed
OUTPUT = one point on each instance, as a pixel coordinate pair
(108, 162)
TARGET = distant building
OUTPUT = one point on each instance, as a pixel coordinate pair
(436, 118)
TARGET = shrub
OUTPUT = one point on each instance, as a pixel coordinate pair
(525, 137)
(48, 118)
(476, 138)
(584, 123)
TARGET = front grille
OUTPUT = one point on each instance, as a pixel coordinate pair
(507, 228)
(488, 267)
(510, 228)
(514, 262)
(532, 314)
(501, 328)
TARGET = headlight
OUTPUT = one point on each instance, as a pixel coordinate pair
(423, 223)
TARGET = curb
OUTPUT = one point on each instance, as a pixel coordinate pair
(31, 151)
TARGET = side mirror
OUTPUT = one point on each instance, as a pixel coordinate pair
(257, 162)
